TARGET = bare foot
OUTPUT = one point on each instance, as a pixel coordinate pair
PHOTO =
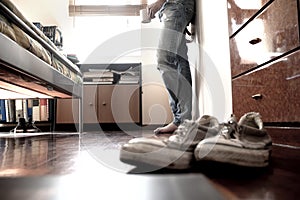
(170, 128)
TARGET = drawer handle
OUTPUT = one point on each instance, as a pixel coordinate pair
(104, 103)
(257, 96)
(90, 104)
(255, 41)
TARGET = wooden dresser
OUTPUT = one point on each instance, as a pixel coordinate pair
(265, 59)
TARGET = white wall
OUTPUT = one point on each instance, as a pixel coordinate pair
(49, 12)
(213, 64)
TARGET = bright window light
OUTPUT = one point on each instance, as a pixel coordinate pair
(91, 31)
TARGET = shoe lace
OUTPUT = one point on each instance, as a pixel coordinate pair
(230, 129)
(184, 128)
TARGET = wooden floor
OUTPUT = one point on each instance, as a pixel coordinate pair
(87, 166)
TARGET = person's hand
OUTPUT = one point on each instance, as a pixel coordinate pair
(153, 8)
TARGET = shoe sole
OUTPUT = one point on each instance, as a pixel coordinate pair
(158, 156)
(233, 155)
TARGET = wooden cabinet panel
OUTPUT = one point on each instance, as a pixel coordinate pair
(102, 104)
(89, 104)
(105, 103)
(67, 111)
(118, 103)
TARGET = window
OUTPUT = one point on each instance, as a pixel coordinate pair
(96, 21)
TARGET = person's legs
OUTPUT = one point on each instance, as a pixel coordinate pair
(184, 84)
(173, 62)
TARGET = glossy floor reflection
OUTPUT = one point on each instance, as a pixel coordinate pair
(87, 166)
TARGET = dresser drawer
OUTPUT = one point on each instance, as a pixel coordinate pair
(239, 12)
(273, 32)
(273, 91)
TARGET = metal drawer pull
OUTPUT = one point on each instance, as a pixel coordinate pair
(255, 41)
(257, 96)
(104, 103)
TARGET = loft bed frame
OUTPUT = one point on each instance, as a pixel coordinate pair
(20, 68)
(37, 74)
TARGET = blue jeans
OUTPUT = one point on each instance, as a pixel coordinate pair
(172, 57)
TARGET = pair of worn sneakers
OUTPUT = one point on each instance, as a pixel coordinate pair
(244, 142)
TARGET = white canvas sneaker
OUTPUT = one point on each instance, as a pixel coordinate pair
(244, 143)
(175, 152)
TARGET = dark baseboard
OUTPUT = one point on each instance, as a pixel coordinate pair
(43, 126)
(284, 135)
(99, 127)
(282, 124)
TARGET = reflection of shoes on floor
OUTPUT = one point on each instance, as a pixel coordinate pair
(21, 126)
(244, 143)
(31, 128)
(176, 152)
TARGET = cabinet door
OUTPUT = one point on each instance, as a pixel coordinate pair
(118, 103)
(67, 111)
(89, 104)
